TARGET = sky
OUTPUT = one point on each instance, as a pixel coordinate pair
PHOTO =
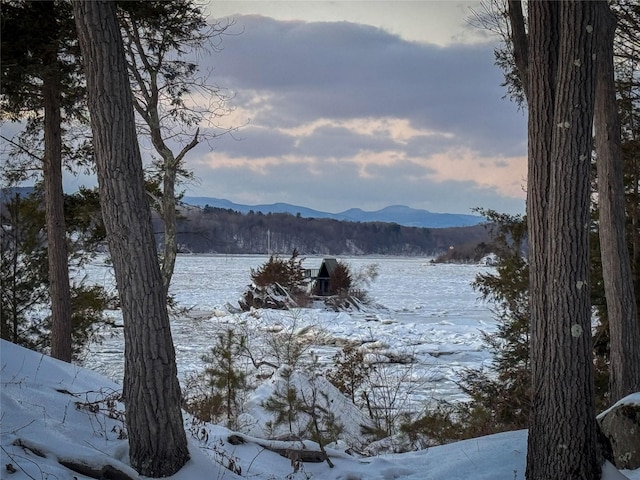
(357, 104)
(362, 104)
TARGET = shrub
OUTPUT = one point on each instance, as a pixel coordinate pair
(386, 395)
(348, 288)
(435, 427)
(278, 284)
(349, 371)
(284, 344)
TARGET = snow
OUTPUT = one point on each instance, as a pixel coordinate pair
(420, 310)
(633, 399)
(44, 410)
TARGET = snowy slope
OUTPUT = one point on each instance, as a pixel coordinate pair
(54, 413)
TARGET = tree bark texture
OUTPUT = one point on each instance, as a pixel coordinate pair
(157, 439)
(170, 222)
(542, 66)
(169, 204)
(562, 432)
(58, 262)
(624, 329)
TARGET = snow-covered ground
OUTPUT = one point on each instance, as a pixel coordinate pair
(46, 421)
(420, 309)
(54, 413)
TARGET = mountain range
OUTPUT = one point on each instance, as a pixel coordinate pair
(400, 214)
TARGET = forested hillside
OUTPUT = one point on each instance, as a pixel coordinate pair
(217, 230)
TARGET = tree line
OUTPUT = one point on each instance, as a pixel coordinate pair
(218, 230)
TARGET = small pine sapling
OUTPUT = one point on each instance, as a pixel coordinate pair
(349, 372)
(299, 403)
(223, 374)
(323, 426)
(284, 403)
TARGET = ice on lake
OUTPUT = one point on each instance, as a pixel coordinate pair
(420, 310)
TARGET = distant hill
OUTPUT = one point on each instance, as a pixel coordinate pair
(227, 230)
(7, 193)
(221, 226)
(400, 214)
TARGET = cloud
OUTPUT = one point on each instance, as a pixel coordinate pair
(337, 115)
(346, 70)
(440, 22)
(360, 116)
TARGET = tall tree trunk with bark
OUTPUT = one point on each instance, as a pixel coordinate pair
(542, 64)
(624, 329)
(561, 88)
(157, 439)
(54, 198)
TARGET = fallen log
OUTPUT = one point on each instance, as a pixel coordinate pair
(284, 449)
(300, 455)
(101, 472)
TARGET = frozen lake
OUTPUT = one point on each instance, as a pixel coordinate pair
(424, 310)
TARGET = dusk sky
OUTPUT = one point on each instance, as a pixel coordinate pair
(362, 104)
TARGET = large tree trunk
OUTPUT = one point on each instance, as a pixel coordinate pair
(542, 64)
(157, 439)
(624, 329)
(54, 199)
(562, 432)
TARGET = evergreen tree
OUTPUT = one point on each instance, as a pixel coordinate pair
(340, 280)
(285, 402)
(501, 394)
(299, 404)
(223, 374)
(40, 76)
(349, 372)
(23, 272)
(24, 279)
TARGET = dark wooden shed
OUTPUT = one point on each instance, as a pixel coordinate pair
(323, 280)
